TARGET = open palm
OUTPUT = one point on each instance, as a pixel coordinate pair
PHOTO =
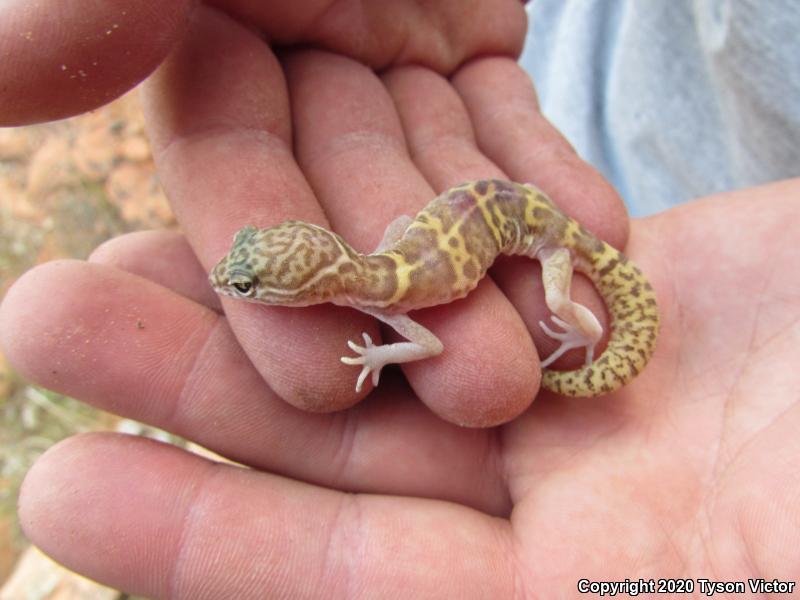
(687, 472)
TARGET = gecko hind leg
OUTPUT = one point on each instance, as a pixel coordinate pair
(581, 329)
(422, 344)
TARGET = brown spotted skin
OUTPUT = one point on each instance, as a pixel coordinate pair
(441, 257)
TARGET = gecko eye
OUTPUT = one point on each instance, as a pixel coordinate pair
(244, 288)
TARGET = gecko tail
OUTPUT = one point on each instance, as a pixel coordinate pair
(633, 320)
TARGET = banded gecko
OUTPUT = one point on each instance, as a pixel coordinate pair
(440, 256)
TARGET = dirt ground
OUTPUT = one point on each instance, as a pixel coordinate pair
(65, 187)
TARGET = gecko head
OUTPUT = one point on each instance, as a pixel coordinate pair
(282, 265)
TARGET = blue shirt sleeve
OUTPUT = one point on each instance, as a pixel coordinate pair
(672, 99)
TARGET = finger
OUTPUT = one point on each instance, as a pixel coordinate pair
(61, 58)
(193, 529)
(519, 139)
(164, 257)
(439, 34)
(64, 59)
(439, 134)
(219, 121)
(134, 348)
(442, 140)
(353, 152)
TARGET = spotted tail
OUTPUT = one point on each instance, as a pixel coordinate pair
(633, 312)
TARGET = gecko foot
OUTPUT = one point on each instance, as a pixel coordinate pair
(570, 338)
(370, 357)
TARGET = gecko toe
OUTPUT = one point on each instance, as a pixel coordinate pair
(355, 347)
(362, 377)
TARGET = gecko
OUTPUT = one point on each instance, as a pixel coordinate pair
(440, 256)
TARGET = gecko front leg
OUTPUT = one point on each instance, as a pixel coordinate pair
(422, 344)
(393, 232)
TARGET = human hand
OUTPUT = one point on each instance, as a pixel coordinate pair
(365, 150)
(687, 472)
